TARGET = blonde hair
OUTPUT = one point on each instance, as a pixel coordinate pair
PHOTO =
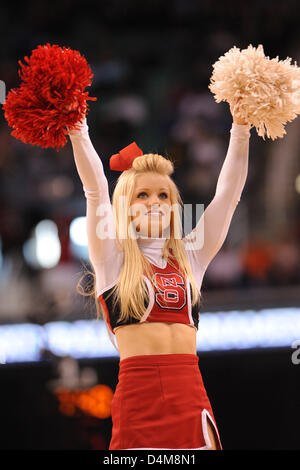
(131, 290)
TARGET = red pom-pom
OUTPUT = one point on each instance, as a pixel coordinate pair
(51, 99)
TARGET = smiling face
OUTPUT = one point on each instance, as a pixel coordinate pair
(150, 204)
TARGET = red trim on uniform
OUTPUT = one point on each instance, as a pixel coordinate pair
(104, 306)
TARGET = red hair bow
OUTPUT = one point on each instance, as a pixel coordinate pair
(123, 160)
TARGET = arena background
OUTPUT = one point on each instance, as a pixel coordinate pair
(152, 62)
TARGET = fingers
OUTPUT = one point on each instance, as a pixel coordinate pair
(234, 109)
(70, 107)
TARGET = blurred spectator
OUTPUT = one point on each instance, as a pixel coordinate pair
(225, 270)
(257, 261)
(286, 262)
(128, 107)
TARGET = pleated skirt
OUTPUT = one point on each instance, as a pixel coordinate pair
(160, 402)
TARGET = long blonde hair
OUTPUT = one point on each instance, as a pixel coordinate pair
(130, 289)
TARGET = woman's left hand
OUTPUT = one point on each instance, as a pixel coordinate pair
(236, 119)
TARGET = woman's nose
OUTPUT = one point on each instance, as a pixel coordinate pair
(154, 200)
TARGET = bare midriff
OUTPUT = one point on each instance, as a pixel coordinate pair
(155, 338)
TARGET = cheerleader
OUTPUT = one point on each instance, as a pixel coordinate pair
(148, 285)
(147, 276)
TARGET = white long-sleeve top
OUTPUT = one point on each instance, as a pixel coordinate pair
(106, 256)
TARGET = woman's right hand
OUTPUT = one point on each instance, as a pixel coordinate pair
(233, 110)
(81, 125)
(70, 107)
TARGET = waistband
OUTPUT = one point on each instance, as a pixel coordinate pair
(159, 359)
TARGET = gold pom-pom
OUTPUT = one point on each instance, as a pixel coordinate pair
(267, 91)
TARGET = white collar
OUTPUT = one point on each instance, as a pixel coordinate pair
(149, 243)
(152, 249)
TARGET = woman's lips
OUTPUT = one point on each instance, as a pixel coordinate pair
(154, 214)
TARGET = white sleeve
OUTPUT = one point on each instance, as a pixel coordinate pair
(212, 227)
(104, 252)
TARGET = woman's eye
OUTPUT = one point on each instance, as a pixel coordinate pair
(161, 194)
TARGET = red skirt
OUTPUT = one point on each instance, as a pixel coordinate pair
(160, 403)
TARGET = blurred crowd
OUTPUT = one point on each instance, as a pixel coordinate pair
(152, 62)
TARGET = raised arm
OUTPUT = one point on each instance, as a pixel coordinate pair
(95, 186)
(214, 223)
